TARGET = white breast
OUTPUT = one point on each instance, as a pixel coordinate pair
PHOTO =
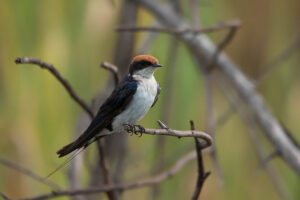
(140, 104)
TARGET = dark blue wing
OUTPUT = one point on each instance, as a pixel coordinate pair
(114, 105)
(157, 94)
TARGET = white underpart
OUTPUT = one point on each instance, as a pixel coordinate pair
(141, 102)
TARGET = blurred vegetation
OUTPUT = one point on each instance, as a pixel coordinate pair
(37, 116)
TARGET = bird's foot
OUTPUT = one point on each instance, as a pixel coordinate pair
(129, 128)
(135, 129)
(140, 130)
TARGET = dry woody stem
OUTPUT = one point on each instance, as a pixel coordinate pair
(127, 186)
(176, 133)
(220, 26)
(60, 78)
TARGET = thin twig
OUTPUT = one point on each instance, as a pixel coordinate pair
(100, 143)
(176, 133)
(4, 196)
(106, 178)
(195, 13)
(113, 69)
(134, 185)
(256, 141)
(228, 38)
(160, 146)
(270, 157)
(29, 173)
(211, 124)
(60, 78)
(203, 49)
(283, 56)
(220, 26)
(202, 175)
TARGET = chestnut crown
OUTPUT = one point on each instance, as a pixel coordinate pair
(141, 62)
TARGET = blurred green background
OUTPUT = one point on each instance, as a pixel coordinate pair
(37, 116)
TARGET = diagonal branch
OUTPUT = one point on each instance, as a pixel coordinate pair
(274, 63)
(253, 129)
(28, 172)
(60, 78)
(228, 38)
(127, 186)
(203, 49)
(217, 27)
(4, 196)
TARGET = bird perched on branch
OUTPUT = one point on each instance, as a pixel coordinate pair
(128, 103)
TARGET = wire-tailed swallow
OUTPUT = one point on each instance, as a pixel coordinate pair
(128, 103)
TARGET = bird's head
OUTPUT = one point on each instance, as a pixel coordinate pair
(143, 65)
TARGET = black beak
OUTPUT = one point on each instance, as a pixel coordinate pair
(157, 65)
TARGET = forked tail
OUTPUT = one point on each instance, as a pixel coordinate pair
(83, 141)
(68, 149)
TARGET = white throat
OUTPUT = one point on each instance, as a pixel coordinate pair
(145, 73)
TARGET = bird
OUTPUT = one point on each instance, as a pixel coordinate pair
(128, 103)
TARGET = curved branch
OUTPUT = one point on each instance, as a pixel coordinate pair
(203, 49)
(134, 185)
(60, 78)
(170, 132)
(113, 69)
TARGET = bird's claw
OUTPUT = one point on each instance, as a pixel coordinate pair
(135, 129)
(141, 130)
(129, 129)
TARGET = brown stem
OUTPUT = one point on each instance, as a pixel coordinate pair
(28, 172)
(113, 69)
(60, 78)
(202, 175)
(129, 186)
(176, 133)
(220, 26)
(203, 49)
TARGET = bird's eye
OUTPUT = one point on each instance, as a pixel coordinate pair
(145, 63)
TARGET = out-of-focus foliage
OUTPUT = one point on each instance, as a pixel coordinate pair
(37, 116)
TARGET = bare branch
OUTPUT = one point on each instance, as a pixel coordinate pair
(60, 78)
(4, 196)
(256, 141)
(176, 133)
(113, 69)
(28, 172)
(202, 175)
(203, 49)
(129, 186)
(211, 124)
(103, 162)
(270, 157)
(283, 56)
(228, 38)
(160, 146)
(220, 26)
(195, 13)
(100, 143)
